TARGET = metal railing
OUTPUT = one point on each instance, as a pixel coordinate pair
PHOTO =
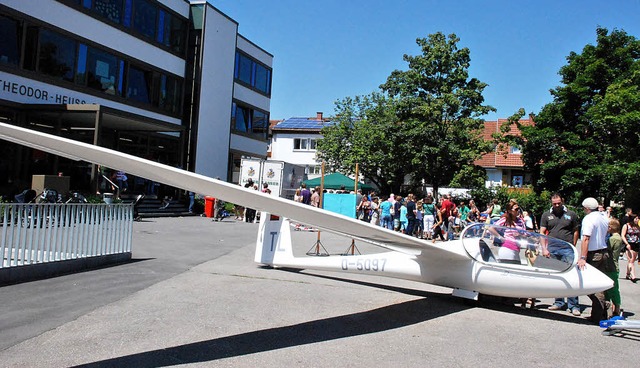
(114, 185)
(49, 232)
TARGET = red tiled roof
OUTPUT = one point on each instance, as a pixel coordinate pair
(487, 160)
(501, 157)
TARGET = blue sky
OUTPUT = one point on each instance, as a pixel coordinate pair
(327, 50)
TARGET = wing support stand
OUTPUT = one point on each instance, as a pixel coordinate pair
(352, 249)
(318, 249)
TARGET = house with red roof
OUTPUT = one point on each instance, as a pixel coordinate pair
(504, 165)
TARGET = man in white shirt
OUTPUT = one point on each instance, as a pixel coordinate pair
(594, 251)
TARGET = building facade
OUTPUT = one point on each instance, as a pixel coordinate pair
(169, 80)
(504, 165)
(294, 140)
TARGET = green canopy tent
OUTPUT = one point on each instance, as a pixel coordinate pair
(336, 181)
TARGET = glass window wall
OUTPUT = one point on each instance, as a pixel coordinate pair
(262, 79)
(144, 18)
(139, 84)
(171, 31)
(249, 121)
(102, 72)
(252, 73)
(31, 48)
(53, 54)
(57, 55)
(245, 67)
(10, 29)
(109, 9)
(170, 93)
(242, 117)
(259, 123)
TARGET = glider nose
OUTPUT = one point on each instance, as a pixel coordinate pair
(594, 281)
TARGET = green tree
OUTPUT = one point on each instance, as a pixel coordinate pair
(439, 108)
(365, 133)
(586, 142)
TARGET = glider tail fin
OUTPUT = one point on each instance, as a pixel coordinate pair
(273, 246)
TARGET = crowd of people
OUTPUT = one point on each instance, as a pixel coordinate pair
(604, 239)
(426, 218)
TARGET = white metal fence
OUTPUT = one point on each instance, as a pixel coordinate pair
(39, 233)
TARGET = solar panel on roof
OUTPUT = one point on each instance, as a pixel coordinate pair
(302, 123)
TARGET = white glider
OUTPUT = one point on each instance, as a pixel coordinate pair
(472, 265)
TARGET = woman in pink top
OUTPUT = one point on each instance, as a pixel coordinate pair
(510, 249)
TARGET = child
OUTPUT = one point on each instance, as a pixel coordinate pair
(419, 224)
(403, 217)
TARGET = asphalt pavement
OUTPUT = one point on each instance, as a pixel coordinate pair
(192, 296)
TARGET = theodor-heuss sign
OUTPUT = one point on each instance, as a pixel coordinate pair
(23, 90)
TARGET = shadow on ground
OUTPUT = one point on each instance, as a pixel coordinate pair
(429, 306)
(368, 322)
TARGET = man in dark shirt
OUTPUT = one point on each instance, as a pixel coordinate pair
(561, 223)
(397, 205)
(306, 194)
(411, 214)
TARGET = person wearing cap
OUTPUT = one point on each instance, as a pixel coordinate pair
(594, 251)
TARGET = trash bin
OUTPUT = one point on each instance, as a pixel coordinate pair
(209, 203)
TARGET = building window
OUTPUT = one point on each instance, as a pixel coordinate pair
(262, 79)
(515, 150)
(243, 68)
(250, 121)
(10, 30)
(315, 170)
(109, 9)
(102, 70)
(164, 27)
(259, 123)
(170, 93)
(128, 13)
(144, 18)
(299, 144)
(31, 49)
(252, 74)
(171, 31)
(57, 55)
(240, 118)
(304, 144)
(139, 84)
(517, 180)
